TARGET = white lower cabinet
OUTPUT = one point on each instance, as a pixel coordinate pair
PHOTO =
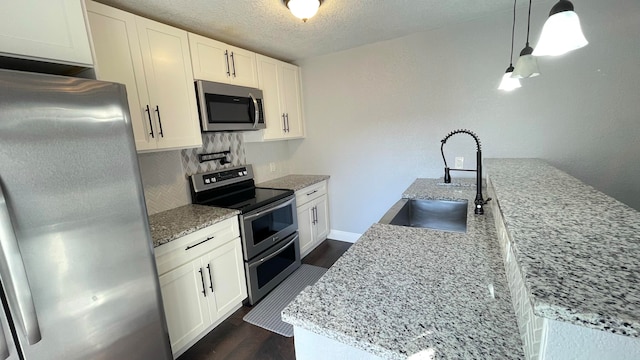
(313, 216)
(202, 281)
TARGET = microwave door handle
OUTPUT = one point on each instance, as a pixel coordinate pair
(269, 257)
(257, 114)
(258, 214)
(14, 275)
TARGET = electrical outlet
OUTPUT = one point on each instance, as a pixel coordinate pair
(272, 167)
(459, 162)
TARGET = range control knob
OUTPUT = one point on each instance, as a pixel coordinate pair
(244, 172)
(239, 173)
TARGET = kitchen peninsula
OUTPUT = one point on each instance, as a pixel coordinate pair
(417, 293)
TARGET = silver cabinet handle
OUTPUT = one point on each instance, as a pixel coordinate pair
(210, 277)
(226, 56)
(204, 287)
(4, 347)
(14, 275)
(159, 121)
(284, 123)
(257, 112)
(150, 122)
(233, 63)
(287, 117)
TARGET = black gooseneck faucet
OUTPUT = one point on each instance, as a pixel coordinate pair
(479, 201)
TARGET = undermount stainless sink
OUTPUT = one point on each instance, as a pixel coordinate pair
(447, 215)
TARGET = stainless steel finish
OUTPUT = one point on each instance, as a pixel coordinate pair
(252, 215)
(198, 182)
(272, 255)
(434, 214)
(286, 116)
(208, 87)
(71, 182)
(252, 247)
(255, 106)
(251, 269)
(14, 276)
(284, 123)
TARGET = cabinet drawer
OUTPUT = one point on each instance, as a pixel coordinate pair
(180, 251)
(311, 192)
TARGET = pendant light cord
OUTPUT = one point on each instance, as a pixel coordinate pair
(528, 23)
(513, 29)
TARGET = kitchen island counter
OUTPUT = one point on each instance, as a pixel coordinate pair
(172, 224)
(401, 292)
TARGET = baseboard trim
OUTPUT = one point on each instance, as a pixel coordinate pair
(344, 236)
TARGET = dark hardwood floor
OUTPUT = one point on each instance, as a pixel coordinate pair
(239, 340)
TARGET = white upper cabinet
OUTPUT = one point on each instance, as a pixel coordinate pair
(282, 100)
(153, 62)
(51, 30)
(216, 61)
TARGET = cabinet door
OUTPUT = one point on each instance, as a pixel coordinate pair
(290, 100)
(210, 59)
(185, 305)
(226, 281)
(52, 30)
(169, 78)
(306, 228)
(118, 59)
(243, 67)
(269, 82)
(322, 215)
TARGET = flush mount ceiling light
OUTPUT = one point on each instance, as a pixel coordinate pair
(527, 64)
(561, 32)
(508, 83)
(303, 9)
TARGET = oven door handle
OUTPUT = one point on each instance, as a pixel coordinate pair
(269, 257)
(260, 213)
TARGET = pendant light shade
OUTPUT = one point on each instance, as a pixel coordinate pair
(527, 64)
(509, 83)
(561, 32)
(303, 9)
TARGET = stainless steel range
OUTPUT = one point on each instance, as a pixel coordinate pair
(268, 224)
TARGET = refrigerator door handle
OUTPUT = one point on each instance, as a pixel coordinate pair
(14, 276)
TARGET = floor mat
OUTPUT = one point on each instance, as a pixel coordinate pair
(267, 313)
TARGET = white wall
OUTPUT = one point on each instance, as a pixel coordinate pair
(375, 115)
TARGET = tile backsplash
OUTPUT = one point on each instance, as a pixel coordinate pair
(165, 174)
(211, 143)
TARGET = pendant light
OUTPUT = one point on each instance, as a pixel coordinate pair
(561, 32)
(508, 83)
(303, 9)
(527, 64)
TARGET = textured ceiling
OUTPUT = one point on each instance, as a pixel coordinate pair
(267, 26)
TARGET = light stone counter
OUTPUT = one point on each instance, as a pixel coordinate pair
(293, 182)
(401, 292)
(175, 223)
(578, 249)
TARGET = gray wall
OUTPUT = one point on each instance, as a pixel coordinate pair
(375, 114)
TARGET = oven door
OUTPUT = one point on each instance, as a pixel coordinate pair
(264, 227)
(268, 270)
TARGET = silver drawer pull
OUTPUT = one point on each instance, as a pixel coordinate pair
(201, 242)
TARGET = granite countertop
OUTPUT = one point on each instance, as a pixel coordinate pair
(401, 291)
(175, 223)
(577, 248)
(293, 182)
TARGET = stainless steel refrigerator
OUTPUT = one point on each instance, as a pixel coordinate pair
(76, 259)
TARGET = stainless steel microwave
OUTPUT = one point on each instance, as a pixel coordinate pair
(225, 107)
